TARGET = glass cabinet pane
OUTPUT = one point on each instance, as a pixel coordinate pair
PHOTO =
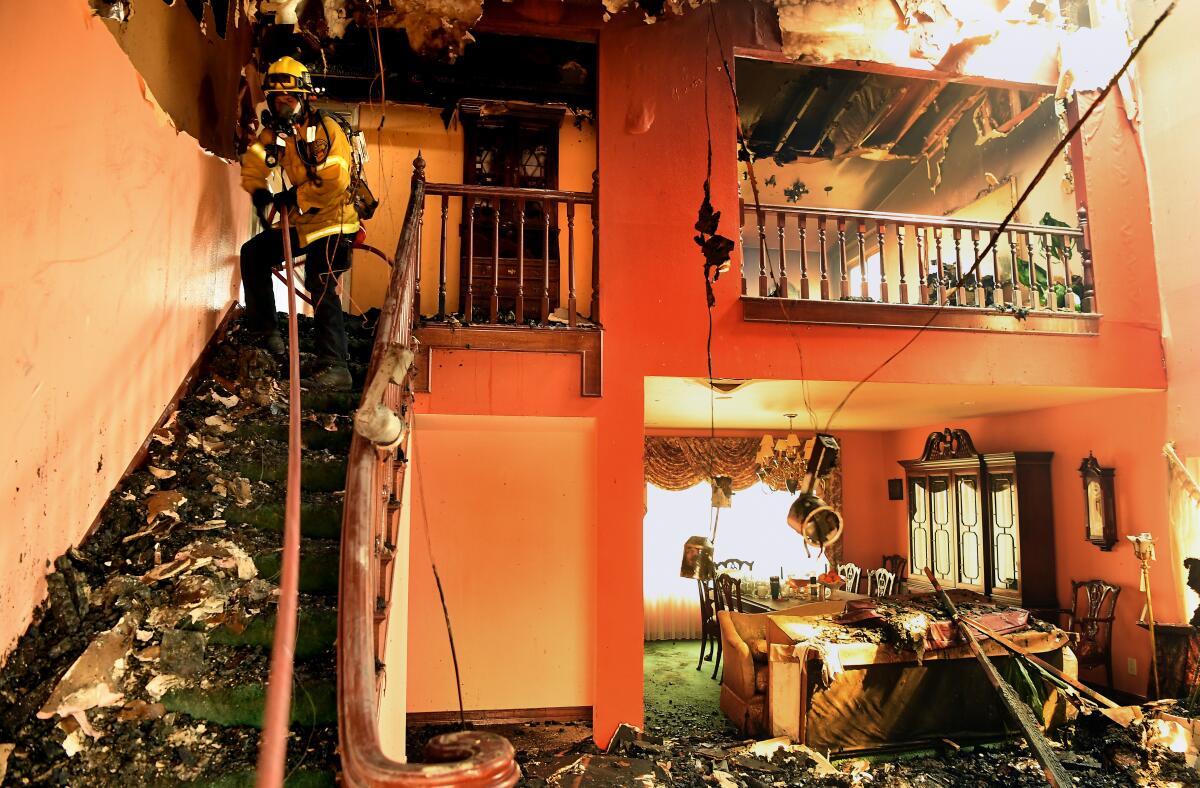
(970, 531)
(1005, 538)
(918, 525)
(942, 529)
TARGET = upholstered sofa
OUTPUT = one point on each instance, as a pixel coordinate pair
(744, 682)
(744, 646)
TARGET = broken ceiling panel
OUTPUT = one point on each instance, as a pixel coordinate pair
(1016, 42)
(196, 79)
(435, 28)
(791, 112)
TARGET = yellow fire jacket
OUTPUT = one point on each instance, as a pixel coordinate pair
(324, 205)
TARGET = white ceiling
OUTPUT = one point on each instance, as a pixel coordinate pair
(684, 403)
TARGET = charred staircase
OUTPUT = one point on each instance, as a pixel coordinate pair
(178, 583)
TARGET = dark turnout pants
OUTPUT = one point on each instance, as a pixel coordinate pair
(325, 261)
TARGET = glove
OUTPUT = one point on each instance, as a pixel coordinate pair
(285, 199)
(262, 200)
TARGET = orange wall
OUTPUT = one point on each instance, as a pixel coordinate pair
(1123, 432)
(1171, 59)
(510, 508)
(117, 266)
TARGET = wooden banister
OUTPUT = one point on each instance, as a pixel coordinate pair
(373, 501)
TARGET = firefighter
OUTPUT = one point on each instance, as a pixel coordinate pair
(315, 157)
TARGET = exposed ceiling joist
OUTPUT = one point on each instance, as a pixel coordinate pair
(835, 112)
(906, 111)
(877, 119)
(796, 112)
(938, 133)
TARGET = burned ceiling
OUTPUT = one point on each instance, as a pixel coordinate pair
(790, 112)
(494, 68)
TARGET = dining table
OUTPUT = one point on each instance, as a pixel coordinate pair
(765, 604)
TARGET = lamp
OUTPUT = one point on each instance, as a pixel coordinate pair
(781, 463)
(1143, 551)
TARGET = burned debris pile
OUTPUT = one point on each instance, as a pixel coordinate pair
(148, 662)
(1096, 751)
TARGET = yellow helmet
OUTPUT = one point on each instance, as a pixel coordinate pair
(287, 75)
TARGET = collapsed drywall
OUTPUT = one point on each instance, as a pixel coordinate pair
(189, 61)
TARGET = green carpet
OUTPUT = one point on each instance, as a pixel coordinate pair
(680, 700)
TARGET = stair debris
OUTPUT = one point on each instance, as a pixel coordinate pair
(148, 662)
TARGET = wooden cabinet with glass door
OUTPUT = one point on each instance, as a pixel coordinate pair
(981, 522)
(513, 146)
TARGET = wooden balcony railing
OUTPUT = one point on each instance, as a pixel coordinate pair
(370, 533)
(889, 269)
(513, 249)
(510, 251)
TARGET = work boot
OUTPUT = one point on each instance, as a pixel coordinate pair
(271, 342)
(332, 378)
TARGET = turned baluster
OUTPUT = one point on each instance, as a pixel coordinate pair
(1020, 295)
(883, 283)
(1033, 285)
(803, 222)
(825, 294)
(997, 287)
(545, 261)
(762, 253)
(520, 306)
(1048, 255)
(420, 259)
(441, 313)
(978, 266)
(494, 306)
(940, 285)
(469, 306)
(960, 275)
(571, 313)
(1085, 254)
(861, 232)
(900, 260)
(782, 291)
(922, 264)
(844, 280)
(1072, 298)
(595, 316)
(418, 177)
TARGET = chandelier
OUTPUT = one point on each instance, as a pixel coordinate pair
(781, 463)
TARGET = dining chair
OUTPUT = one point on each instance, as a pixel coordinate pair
(1093, 610)
(735, 563)
(896, 564)
(880, 582)
(710, 630)
(850, 574)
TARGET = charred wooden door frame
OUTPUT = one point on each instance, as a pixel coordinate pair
(587, 343)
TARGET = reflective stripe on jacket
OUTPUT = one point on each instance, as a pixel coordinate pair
(324, 205)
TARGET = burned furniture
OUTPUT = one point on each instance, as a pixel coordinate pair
(744, 682)
(834, 688)
(982, 522)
